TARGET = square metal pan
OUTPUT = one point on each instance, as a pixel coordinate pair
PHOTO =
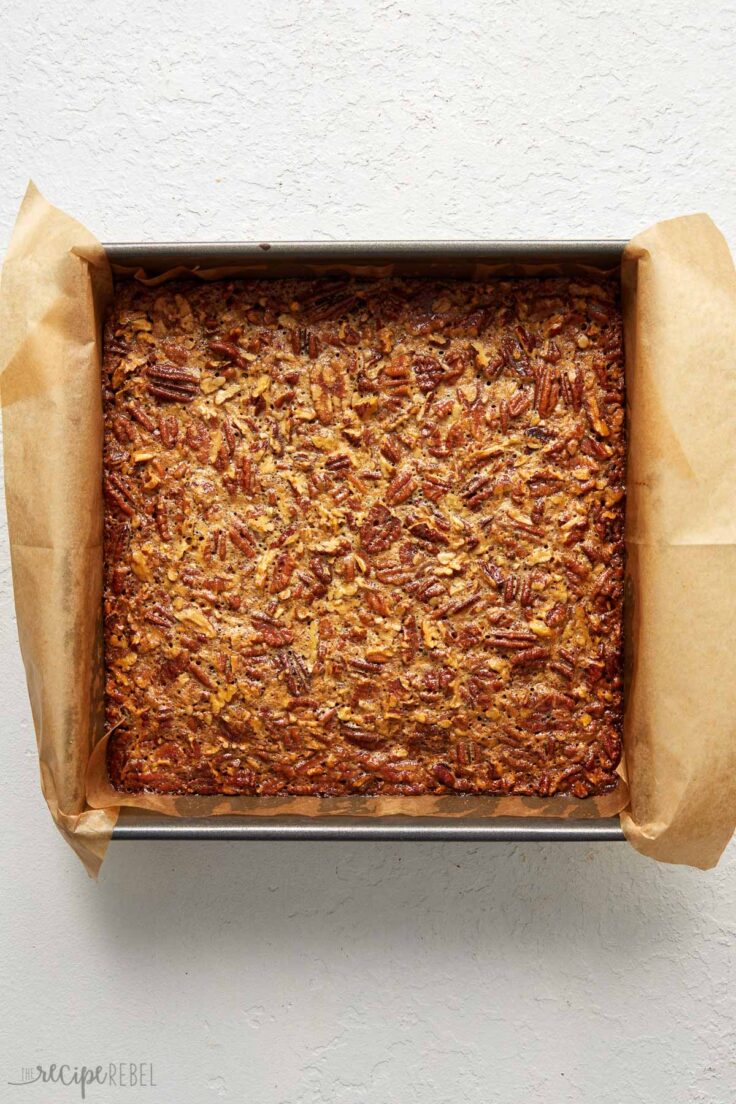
(273, 260)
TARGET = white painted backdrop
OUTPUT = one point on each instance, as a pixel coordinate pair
(305, 973)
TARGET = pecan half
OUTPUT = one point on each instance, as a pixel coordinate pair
(296, 674)
(401, 488)
(379, 530)
(172, 383)
(428, 371)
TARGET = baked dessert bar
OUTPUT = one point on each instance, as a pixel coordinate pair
(364, 537)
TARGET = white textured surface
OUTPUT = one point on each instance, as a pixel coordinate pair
(304, 973)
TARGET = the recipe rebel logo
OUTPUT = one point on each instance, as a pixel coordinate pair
(118, 1075)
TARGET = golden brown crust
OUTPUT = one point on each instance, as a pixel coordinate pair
(364, 537)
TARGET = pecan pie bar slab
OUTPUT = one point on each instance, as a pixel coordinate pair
(364, 537)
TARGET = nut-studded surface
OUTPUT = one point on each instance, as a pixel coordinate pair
(364, 537)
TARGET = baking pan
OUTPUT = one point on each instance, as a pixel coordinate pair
(443, 259)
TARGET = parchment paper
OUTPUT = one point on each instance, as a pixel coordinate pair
(680, 320)
(51, 300)
(680, 723)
